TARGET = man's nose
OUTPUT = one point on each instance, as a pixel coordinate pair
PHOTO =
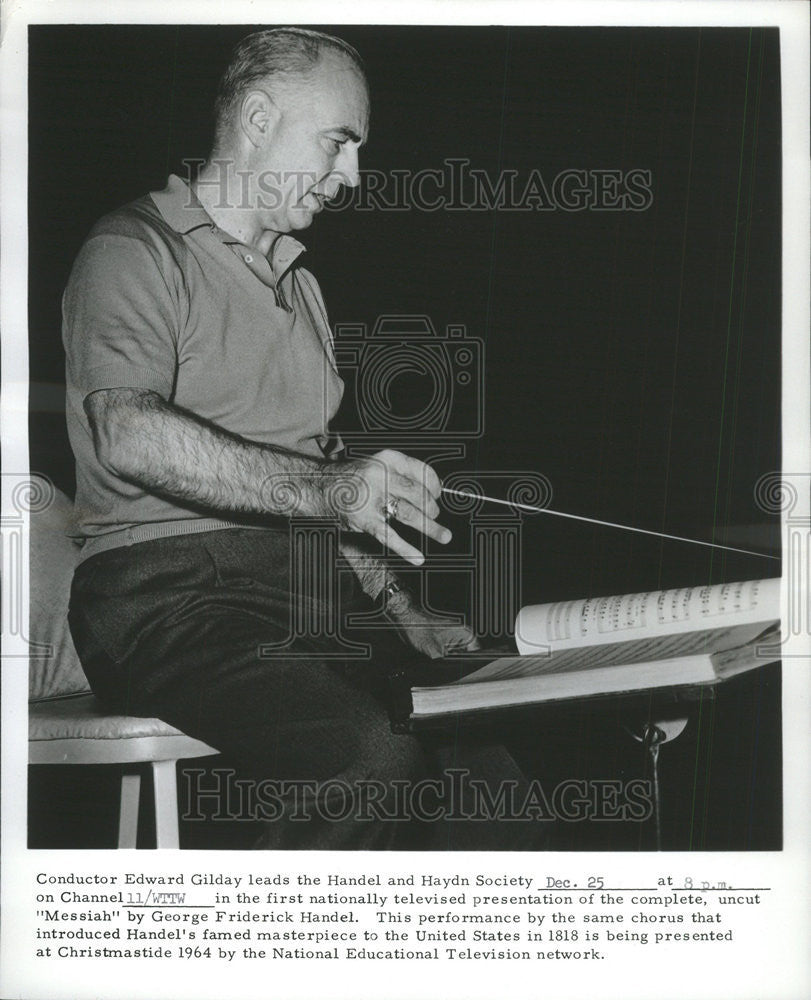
(347, 170)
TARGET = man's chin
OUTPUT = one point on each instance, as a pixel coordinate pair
(302, 216)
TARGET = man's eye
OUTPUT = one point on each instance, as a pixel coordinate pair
(335, 144)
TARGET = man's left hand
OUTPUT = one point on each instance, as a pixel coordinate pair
(431, 634)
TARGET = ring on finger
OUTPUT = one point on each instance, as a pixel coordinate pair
(391, 507)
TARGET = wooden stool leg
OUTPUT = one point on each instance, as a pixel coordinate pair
(164, 776)
(128, 810)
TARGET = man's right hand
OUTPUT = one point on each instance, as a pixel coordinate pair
(363, 488)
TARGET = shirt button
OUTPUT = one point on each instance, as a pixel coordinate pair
(248, 259)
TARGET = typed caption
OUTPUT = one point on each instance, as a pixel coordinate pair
(289, 917)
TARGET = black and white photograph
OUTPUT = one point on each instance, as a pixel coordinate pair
(554, 281)
(412, 502)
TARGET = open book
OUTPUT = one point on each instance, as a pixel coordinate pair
(634, 642)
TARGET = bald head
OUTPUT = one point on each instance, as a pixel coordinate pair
(282, 60)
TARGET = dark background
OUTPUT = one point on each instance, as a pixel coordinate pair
(632, 358)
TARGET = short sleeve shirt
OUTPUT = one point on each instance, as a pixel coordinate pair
(160, 298)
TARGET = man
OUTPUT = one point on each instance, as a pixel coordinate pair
(201, 384)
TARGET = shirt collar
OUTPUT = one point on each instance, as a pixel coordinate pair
(180, 207)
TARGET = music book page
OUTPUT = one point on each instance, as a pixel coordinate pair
(594, 621)
(705, 642)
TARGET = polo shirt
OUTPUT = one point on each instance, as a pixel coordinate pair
(160, 298)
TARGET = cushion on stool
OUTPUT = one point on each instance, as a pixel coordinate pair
(77, 730)
(84, 718)
(66, 724)
(54, 667)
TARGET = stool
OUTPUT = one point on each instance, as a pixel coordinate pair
(67, 725)
(77, 730)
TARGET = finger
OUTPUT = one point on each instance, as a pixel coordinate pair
(417, 471)
(406, 476)
(389, 537)
(463, 639)
(392, 479)
(430, 507)
(410, 515)
(416, 494)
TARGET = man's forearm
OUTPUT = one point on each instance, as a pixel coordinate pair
(146, 440)
(167, 450)
(143, 439)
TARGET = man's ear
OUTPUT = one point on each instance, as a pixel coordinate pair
(259, 116)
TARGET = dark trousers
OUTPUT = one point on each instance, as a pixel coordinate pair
(201, 631)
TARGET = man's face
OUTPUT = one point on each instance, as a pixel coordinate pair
(312, 147)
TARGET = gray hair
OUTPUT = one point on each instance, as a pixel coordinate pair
(265, 54)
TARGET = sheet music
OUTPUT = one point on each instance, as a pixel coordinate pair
(588, 657)
(573, 624)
